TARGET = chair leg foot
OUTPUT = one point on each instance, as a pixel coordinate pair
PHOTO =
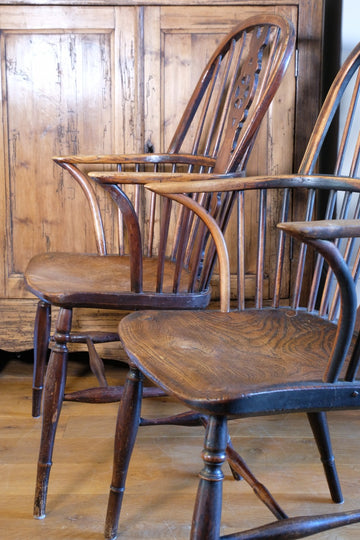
(41, 490)
(53, 399)
(334, 482)
(113, 513)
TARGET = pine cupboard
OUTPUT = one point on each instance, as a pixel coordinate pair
(100, 77)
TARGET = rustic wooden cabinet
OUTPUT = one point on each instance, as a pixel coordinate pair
(107, 77)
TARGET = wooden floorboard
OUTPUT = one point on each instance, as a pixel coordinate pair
(163, 474)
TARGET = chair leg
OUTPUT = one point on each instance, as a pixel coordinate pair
(41, 345)
(53, 398)
(207, 512)
(320, 429)
(126, 430)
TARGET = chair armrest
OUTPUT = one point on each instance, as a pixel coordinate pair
(211, 182)
(118, 159)
(143, 178)
(322, 230)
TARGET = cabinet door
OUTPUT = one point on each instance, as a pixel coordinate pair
(186, 39)
(69, 85)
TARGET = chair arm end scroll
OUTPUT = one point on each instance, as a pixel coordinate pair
(322, 229)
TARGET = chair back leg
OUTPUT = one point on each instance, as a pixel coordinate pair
(41, 347)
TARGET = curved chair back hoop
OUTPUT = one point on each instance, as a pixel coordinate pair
(234, 91)
(237, 86)
(251, 90)
(342, 99)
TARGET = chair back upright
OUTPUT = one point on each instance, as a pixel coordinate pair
(341, 106)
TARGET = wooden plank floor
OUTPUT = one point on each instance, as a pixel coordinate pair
(163, 475)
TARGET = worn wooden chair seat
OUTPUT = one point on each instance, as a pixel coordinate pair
(64, 279)
(283, 350)
(286, 344)
(216, 133)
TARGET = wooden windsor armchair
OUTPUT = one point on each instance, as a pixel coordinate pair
(221, 121)
(279, 351)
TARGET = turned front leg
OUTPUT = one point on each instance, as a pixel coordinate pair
(53, 398)
(207, 512)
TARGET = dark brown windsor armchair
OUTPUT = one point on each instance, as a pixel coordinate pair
(286, 349)
(221, 122)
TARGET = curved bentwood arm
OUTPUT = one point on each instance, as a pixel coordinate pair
(208, 183)
(217, 235)
(90, 195)
(115, 159)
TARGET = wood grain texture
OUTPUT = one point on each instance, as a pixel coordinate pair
(287, 345)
